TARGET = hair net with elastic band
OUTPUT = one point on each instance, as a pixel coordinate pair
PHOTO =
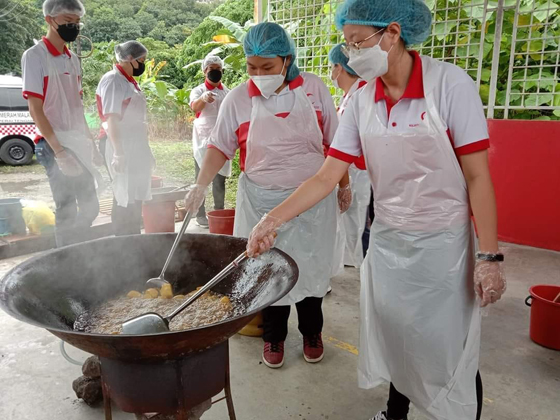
(61, 7)
(414, 16)
(336, 56)
(212, 59)
(269, 40)
(130, 51)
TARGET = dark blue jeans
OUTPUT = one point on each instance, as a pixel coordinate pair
(75, 199)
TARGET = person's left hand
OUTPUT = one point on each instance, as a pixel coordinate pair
(97, 157)
(344, 198)
(263, 235)
(489, 281)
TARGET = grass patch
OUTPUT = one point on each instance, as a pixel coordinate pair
(175, 164)
(33, 168)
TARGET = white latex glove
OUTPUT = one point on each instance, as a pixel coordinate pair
(119, 164)
(194, 198)
(344, 196)
(263, 235)
(208, 97)
(68, 164)
(489, 281)
(96, 156)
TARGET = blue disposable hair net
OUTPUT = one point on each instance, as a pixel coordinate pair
(414, 16)
(270, 40)
(336, 56)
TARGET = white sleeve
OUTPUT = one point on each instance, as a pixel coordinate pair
(464, 114)
(33, 74)
(112, 94)
(346, 145)
(196, 93)
(330, 118)
(224, 135)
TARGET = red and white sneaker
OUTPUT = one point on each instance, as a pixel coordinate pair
(313, 348)
(273, 355)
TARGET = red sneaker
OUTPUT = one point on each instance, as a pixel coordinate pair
(273, 355)
(313, 348)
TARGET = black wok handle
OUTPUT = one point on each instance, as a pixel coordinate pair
(527, 301)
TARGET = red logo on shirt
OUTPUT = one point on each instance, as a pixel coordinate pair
(423, 115)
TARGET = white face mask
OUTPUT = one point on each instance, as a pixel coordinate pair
(370, 63)
(335, 81)
(269, 84)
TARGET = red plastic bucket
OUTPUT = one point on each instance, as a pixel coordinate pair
(221, 221)
(545, 315)
(157, 181)
(159, 216)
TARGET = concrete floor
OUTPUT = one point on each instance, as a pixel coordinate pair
(521, 379)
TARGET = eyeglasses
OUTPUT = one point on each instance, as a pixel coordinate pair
(79, 25)
(355, 46)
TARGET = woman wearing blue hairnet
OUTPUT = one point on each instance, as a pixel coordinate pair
(279, 120)
(352, 224)
(421, 127)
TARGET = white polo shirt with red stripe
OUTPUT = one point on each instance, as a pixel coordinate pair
(210, 110)
(232, 127)
(458, 103)
(35, 72)
(113, 94)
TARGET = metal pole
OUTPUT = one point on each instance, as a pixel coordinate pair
(496, 58)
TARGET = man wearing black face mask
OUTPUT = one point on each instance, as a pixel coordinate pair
(205, 101)
(65, 146)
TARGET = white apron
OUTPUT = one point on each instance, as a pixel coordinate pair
(202, 128)
(354, 219)
(420, 324)
(64, 109)
(308, 238)
(351, 224)
(135, 183)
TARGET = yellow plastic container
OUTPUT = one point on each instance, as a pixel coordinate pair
(254, 328)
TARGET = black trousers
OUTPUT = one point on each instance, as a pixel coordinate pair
(397, 407)
(310, 319)
(127, 220)
(75, 199)
(218, 191)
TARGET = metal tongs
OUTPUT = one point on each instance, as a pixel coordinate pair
(153, 323)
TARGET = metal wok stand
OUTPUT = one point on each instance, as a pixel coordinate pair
(170, 387)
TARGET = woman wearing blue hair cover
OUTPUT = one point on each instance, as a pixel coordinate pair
(279, 121)
(420, 125)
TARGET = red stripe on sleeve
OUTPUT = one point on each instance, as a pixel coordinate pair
(361, 163)
(345, 157)
(27, 94)
(473, 147)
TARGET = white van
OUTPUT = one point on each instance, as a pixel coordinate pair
(17, 130)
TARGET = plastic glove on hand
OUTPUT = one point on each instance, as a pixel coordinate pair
(263, 235)
(344, 198)
(195, 197)
(97, 157)
(208, 97)
(489, 281)
(119, 164)
(68, 164)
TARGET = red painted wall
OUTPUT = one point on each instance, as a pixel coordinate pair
(525, 167)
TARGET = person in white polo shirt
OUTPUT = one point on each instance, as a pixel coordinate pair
(420, 125)
(123, 112)
(350, 248)
(206, 100)
(52, 86)
(279, 120)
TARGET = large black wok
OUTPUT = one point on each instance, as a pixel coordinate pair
(53, 289)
